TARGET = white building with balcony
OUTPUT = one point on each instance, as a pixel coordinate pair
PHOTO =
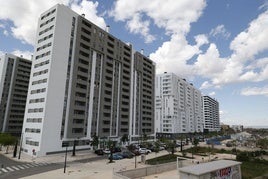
(178, 105)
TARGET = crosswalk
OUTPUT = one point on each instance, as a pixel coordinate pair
(21, 167)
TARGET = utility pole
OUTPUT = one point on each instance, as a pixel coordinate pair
(21, 138)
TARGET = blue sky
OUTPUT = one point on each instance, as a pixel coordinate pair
(219, 46)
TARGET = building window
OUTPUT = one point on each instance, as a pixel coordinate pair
(32, 130)
(41, 64)
(33, 143)
(39, 81)
(35, 110)
(38, 100)
(42, 90)
(40, 72)
(48, 21)
(34, 120)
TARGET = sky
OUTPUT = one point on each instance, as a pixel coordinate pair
(221, 46)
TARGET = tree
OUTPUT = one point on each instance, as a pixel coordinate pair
(124, 138)
(7, 140)
(195, 142)
(262, 143)
(95, 141)
(144, 140)
(171, 145)
(111, 145)
(157, 147)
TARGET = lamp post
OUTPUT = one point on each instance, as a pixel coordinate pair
(135, 160)
(65, 160)
(21, 138)
(65, 144)
(74, 148)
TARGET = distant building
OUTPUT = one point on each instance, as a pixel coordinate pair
(224, 126)
(178, 106)
(14, 81)
(237, 128)
(84, 80)
(211, 114)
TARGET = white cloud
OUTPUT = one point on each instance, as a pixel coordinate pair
(137, 26)
(241, 66)
(213, 93)
(173, 16)
(220, 31)
(252, 41)
(173, 55)
(90, 10)
(253, 91)
(200, 40)
(24, 54)
(5, 32)
(24, 15)
(209, 64)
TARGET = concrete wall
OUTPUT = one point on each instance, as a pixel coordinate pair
(141, 172)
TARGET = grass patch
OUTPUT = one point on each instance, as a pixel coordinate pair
(252, 169)
(163, 159)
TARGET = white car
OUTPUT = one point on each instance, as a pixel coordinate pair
(144, 151)
(107, 151)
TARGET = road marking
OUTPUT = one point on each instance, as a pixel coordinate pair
(29, 165)
(10, 169)
(34, 164)
(16, 168)
(21, 167)
(25, 166)
(4, 170)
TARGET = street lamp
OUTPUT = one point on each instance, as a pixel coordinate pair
(21, 138)
(65, 144)
(74, 148)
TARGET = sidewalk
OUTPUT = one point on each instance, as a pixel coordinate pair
(54, 158)
(100, 169)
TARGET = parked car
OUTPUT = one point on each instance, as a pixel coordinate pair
(116, 156)
(144, 151)
(161, 148)
(116, 149)
(127, 154)
(107, 151)
(99, 152)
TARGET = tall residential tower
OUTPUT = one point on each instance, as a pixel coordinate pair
(14, 81)
(81, 84)
(211, 114)
(178, 106)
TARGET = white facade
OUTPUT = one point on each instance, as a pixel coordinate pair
(211, 114)
(3, 67)
(80, 86)
(178, 105)
(50, 62)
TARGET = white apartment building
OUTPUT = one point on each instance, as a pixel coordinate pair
(211, 114)
(81, 86)
(178, 106)
(14, 81)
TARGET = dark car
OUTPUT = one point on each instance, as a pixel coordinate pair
(116, 156)
(127, 154)
(116, 149)
(99, 152)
